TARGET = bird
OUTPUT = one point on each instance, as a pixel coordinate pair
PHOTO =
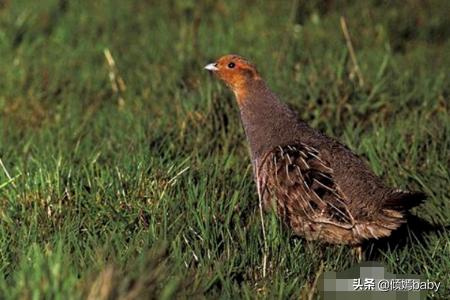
(315, 184)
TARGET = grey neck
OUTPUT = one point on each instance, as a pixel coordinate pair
(267, 122)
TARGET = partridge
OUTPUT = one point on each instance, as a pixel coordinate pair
(319, 187)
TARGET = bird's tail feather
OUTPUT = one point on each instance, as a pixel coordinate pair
(404, 200)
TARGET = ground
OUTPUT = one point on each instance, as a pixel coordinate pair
(124, 169)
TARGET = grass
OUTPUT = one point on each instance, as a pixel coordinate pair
(144, 190)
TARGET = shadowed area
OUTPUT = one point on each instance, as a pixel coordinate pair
(416, 232)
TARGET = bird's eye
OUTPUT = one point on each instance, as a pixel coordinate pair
(231, 65)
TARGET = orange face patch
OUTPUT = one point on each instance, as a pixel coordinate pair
(236, 72)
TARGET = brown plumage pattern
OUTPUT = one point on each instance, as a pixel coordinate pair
(320, 189)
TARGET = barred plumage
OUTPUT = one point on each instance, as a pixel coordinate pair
(298, 184)
(319, 187)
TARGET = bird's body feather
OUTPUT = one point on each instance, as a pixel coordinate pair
(319, 187)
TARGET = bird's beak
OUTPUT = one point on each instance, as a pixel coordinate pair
(211, 67)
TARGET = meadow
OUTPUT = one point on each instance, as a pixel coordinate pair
(124, 171)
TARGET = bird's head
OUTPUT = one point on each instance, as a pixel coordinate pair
(235, 71)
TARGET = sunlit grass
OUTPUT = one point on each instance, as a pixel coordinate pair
(153, 196)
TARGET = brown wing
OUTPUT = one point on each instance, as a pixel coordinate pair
(296, 181)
